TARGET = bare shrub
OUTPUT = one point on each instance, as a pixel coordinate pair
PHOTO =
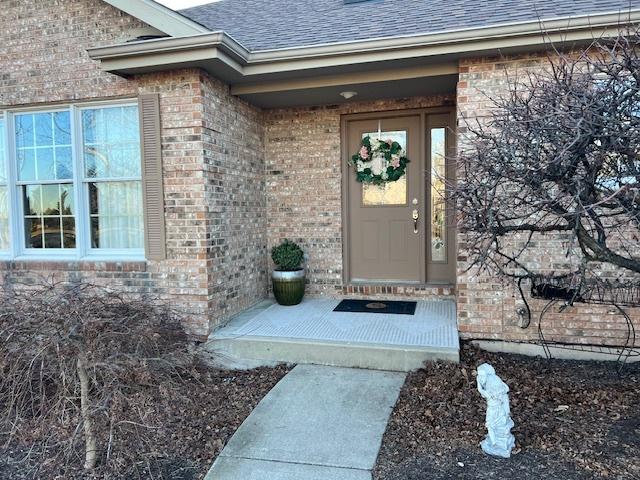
(558, 156)
(79, 366)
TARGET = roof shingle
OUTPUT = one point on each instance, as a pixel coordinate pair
(271, 24)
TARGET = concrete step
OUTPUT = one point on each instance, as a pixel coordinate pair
(252, 352)
(312, 333)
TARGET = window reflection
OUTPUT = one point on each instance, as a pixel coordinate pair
(111, 142)
(111, 147)
(4, 192)
(45, 168)
(392, 193)
(43, 146)
(438, 205)
(49, 216)
(46, 154)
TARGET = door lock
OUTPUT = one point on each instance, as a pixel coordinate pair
(415, 217)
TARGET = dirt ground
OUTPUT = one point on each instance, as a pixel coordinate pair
(190, 427)
(573, 421)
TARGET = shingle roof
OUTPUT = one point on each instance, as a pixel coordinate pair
(267, 24)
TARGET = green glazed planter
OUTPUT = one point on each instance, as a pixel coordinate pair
(288, 287)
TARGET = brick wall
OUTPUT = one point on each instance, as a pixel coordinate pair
(237, 180)
(212, 159)
(303, 163)
(487, 307)
(236, 201)
(43, 50)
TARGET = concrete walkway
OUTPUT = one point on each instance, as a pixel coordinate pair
(318, 423)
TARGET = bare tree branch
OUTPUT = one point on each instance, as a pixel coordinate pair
(559, 156)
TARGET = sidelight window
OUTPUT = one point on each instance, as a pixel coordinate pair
(438, 201)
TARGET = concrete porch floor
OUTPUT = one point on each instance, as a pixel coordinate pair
(313, 333)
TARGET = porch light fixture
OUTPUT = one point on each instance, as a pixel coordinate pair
(348, 95)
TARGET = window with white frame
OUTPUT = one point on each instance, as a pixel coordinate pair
(111, 176)
(77, 174)
(4, 191)
(44, 166)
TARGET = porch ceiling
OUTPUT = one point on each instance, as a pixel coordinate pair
(311, 95)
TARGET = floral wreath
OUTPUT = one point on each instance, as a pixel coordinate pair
(379, 161)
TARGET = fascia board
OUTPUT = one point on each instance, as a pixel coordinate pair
(513, 30)
(458, 42)
(159, 17)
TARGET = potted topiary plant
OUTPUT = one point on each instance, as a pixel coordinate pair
(288, 278)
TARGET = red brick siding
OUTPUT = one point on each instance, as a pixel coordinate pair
(486, 307)
(212, 159)
(43, 50)
(236, 200)
(304, 198)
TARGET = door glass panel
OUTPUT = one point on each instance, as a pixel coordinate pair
(392, 193)
(438, 210)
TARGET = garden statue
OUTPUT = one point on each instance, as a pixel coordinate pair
(499, 440)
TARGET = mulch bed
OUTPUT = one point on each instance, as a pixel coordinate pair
(191, 426)
(573, 421)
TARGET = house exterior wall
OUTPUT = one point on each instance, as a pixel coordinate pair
(487, 307)
(304, 198)
(303, 151)
(43, 50)
(211, 145)
(236, 202)
(182, 277)
(238, 180)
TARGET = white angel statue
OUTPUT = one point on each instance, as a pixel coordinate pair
(499, 441)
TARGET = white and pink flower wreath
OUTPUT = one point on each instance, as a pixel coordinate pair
(379, 161)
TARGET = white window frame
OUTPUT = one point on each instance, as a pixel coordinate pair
(83, 184)
(7, 254)
(83, 250)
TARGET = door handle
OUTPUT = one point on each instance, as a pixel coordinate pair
(415, 217)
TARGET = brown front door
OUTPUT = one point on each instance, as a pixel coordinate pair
(384, 245)
(384, 242)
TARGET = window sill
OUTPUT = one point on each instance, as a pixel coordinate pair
(74, 259)
(66, 264)
(114, 259)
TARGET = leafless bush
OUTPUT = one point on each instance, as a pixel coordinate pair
(78, 364)
(560, 157)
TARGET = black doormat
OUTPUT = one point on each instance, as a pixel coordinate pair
(376, 306)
